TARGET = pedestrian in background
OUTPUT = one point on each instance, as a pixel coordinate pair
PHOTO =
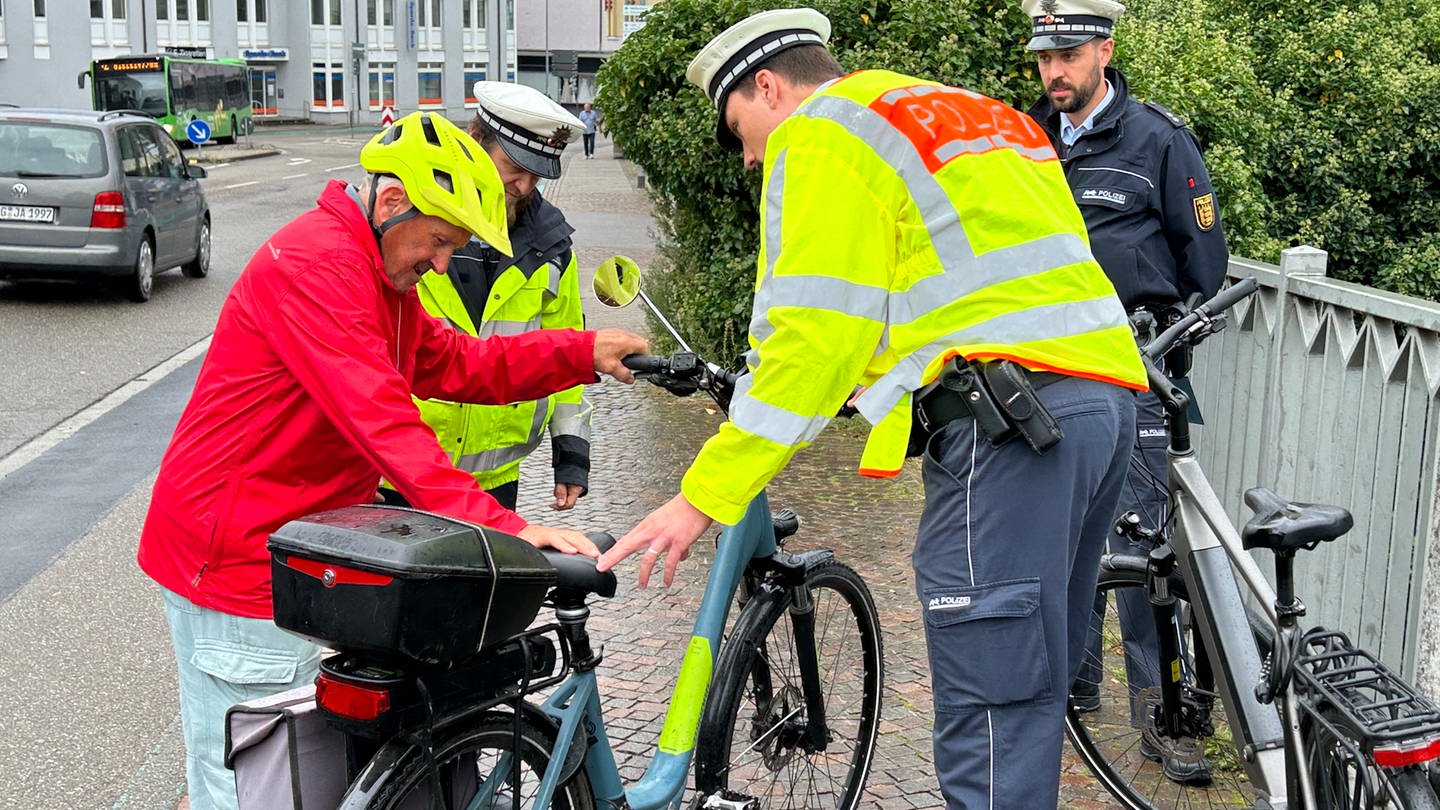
(1154, 226)
(889, 260)
(589, 118)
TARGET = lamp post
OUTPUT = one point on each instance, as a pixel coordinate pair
(547, 47)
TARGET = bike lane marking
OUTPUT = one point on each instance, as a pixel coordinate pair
(50, 492)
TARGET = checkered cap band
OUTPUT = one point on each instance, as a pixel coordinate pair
(518, 136)
(1071, 24)
(762, 49)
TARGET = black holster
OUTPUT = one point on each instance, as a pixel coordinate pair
(999, 395)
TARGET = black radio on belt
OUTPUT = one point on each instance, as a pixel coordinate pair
(1000, 395)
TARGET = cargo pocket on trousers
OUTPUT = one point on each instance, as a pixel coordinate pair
(243, 664)
(987, 645)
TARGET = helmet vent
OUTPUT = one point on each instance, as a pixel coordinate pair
(444, 180)
(428, 127)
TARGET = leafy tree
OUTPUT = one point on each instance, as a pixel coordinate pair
(1320, 124)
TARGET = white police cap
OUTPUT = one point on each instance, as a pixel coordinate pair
(1060, 24)
(533, 130)
(744, 46)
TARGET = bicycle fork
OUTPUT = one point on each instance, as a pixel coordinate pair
(802, 619)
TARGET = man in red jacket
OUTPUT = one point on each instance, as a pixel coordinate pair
(304, 402)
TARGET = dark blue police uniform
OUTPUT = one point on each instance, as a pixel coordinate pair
(1142, 186)
(1154, 226)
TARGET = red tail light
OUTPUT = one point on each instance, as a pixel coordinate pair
(349, 699)
(1398, 756)
(109, 210)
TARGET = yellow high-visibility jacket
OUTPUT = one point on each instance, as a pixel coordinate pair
(903, 223)
(541, 290)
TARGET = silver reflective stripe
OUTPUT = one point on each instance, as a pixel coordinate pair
(760, 327)
(769, 421)
(497, 457)
(965, 273)
(1048, 322)
(553, 271)
(571, 419)
(492, 328)
(997, 266)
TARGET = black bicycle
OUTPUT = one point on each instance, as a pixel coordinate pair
(1307, 719)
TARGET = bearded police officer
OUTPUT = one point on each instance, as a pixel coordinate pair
(888, 261)
(487, 293)
(1155, 228)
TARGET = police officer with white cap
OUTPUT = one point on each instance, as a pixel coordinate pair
(1154, 226)
(486, 293)
(887, 260)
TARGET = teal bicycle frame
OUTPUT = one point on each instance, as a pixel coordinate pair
(577, 699)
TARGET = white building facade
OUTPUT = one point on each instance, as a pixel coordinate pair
(329, 61)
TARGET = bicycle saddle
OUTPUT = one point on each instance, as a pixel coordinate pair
(1282, 526)
(577, 574)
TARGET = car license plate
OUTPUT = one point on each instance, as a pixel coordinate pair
(27, 213)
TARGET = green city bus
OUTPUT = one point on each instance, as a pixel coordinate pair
(175, 90)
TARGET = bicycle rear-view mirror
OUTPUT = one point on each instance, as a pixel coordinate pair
(617, 282)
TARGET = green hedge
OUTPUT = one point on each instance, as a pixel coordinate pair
(1320, 123)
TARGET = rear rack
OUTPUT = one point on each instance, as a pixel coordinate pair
(1372, 701)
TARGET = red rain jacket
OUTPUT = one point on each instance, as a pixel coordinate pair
(304, 401)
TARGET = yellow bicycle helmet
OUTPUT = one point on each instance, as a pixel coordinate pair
(445, 173)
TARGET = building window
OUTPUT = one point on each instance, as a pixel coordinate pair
(324, 12)
(429, 75)
(382, 86)
(474, 12)
(329, 85)
(244, 9)
(183, 22)
(473, 73)
(380, 12)
(107, 23)
(42, 26)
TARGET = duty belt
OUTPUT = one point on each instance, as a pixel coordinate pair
(936, 406)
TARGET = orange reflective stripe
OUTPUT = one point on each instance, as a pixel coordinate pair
(944, 123)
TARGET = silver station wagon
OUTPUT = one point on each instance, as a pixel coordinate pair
(86, 194)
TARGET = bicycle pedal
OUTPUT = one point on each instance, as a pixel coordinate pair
(730, 800)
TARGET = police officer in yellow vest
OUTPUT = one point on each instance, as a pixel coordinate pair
(920, 240)
(486, 293)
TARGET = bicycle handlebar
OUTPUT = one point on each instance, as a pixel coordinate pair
(1201, 321)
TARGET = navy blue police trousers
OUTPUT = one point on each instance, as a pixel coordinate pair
(1005, 566)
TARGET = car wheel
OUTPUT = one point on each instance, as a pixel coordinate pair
(199, 267)
(142, 276)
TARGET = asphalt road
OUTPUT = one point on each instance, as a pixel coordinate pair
(91, 389)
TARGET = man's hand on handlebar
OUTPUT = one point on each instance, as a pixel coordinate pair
(611, 346)
(667, 532)
(566, 540)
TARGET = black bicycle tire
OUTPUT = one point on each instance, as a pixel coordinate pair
(1413, 789)
(1078, 725)
(491, 732)
(738, 657)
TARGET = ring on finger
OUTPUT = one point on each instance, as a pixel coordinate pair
(654, 551)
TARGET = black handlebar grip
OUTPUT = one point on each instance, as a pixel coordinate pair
(1231, 295)
(1222, 301)
(646, 363)
(602, 540)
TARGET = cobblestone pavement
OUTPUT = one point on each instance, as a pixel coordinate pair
(644, 439)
